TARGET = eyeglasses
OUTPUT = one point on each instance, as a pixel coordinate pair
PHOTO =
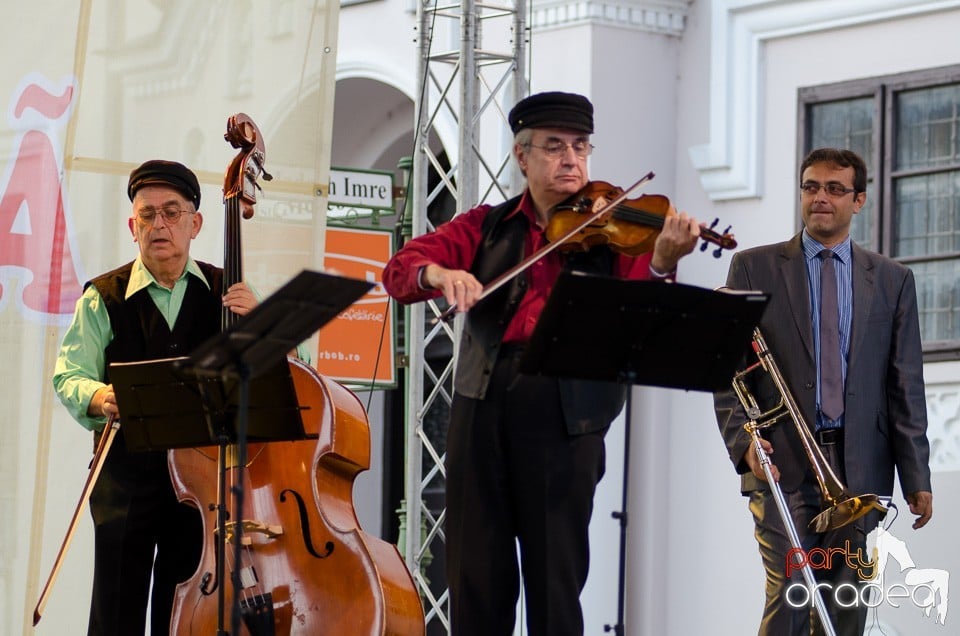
(833, 188)
(171, 215)
(556, 148)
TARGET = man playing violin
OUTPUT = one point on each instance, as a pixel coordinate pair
(524, 453)
(160, 305)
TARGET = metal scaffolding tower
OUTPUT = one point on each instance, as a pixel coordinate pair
(466, 91)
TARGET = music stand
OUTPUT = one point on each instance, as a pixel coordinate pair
(641, 332)
(254, 348)
(165, 405)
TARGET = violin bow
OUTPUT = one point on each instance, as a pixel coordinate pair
(504, 278)
(96, 464)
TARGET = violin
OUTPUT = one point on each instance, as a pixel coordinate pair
(598, 214)
(630, 227)
(298, 562)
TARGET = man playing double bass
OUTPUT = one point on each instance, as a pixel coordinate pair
(524, 453)
(160, 305)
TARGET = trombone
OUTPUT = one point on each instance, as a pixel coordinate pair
(839, 506)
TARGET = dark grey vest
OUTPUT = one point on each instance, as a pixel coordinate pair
(587, 405)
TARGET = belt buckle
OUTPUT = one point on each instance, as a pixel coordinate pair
(829, 436)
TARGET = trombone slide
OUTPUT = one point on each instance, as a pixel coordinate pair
(753, 429)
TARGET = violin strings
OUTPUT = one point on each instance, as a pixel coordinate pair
(627, 213)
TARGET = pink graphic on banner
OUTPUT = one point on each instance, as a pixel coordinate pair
(34, 241)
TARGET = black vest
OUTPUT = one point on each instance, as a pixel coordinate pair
(587, 405)
(140, 331)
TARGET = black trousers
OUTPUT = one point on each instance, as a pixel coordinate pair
(788, 610)
(517, 480)
(140, 530)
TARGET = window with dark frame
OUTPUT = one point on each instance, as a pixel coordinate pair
(907, 129)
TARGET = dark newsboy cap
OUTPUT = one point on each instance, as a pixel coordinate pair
(167, 173)
(552, 110)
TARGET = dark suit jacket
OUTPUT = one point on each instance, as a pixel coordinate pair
(885, 409)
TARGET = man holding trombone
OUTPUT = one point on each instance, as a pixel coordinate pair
(840, 344)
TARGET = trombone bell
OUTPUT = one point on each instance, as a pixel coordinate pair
(846, 511)
(840, 507)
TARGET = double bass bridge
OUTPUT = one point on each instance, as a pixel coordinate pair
(251, 527)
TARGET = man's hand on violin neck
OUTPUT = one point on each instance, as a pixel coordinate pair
(459, 286)
(677, 239)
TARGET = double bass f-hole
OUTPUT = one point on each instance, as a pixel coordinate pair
(205, 587)
(305, 524)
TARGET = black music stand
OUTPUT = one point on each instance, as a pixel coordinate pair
(641, 332)
(245, 360)
(166, 405)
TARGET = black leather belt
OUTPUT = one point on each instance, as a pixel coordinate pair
(829, 436)
(511, 350)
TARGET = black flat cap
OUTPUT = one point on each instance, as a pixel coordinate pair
(168, 173)
(552, 110)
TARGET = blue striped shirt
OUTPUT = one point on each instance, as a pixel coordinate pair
(843, 263)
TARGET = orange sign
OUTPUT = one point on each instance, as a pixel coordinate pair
(357, 347)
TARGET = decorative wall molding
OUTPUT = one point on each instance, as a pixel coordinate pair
(666, 16)
(942, 394)
(730, 163)
(943, 427)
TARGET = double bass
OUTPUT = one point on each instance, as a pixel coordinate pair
(305, 566)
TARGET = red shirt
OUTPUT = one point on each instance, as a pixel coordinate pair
(453, 246)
